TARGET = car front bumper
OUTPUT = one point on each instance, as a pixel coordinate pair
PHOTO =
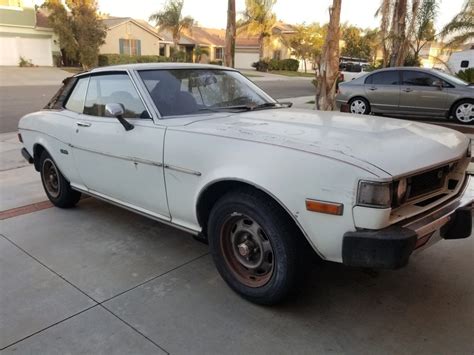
(391, 247)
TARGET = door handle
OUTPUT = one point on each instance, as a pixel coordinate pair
(83, 124)
(372, 89)
(407, 90)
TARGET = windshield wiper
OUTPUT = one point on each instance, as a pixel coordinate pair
(247, 107)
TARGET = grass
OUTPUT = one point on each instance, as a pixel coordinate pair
(252, 75)
(292, 73)
(311, 102)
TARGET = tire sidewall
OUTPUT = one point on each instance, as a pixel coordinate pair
(367, 105)
(277, 287)
(455, 109)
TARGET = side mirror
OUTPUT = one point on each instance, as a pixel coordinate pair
(438, 84)
(117, 111)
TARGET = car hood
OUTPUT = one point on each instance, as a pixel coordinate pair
(394, 146)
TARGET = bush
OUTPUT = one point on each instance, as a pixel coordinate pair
(261, 65)
(216, 62)
(467, 75)
(290, 64)
(25, 62)
(277, 64)
(114, 59)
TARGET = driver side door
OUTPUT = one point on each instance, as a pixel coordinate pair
(125, 167)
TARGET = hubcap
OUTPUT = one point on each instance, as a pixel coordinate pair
(247, 251)
(358, 107)
(465, 112)
(51, 178)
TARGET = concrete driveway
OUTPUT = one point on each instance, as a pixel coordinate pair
(97, 279)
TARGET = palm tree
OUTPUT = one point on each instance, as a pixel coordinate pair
(461, 27)
(259, 20)
(328, 72)
(170, 18)
(229, 52)
(398, 32)
(384, 11)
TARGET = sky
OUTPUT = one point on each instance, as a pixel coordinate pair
(213, 13)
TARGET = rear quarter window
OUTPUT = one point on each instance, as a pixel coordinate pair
(57, 101)
(384, 78)
(75, 102)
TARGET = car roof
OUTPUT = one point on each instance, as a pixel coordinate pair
(151, 66)
(427, 70)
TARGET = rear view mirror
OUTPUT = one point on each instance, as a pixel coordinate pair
(438, 84)
(117, 110)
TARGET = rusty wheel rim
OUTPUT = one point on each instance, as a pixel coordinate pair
(247, 251)
(51, 178)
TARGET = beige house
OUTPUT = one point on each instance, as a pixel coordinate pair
(25, 33)
(126, 35)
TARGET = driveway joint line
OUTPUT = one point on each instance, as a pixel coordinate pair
(49, 326)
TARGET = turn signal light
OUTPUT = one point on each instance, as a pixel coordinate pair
(324, 207)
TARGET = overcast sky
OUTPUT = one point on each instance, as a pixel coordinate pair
(212, 13)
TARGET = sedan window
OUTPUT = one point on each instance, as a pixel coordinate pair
(113, 88)
(190, 91)
(384, 78)
(418, 78)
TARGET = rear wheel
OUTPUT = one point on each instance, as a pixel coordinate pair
(463, 112)
(359, 106)
(57, 188)
(254, 246)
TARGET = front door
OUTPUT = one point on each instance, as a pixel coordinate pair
(383, 90)
(421, 94)
(123, 166)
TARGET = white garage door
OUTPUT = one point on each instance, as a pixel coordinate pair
(37, 50)
(245, 60)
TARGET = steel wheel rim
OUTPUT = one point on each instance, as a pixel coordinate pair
(247, 251)
(51, 178)
(358, 107)
(465, 113)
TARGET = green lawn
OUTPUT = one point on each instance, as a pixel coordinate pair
(252, 75)
(292, 73)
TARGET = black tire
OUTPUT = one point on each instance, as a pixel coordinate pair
(57, 188)
(363, 107)
(276, 228)
(459, 116)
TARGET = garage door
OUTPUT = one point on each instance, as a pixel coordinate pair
(245, 60)
(37, 50)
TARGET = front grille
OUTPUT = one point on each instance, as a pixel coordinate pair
(427, 182)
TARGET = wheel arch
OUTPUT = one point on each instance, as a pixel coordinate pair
(38, 149)
(214, 190)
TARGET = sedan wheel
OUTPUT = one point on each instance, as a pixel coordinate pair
(51, 178)
(359, 106)
(464, 112)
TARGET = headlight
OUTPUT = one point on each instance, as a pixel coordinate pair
(375, 194)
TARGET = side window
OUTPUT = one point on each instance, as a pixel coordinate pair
(384, 78)
(416, 78)
(75, 102)
(464, 64)
(113, 88)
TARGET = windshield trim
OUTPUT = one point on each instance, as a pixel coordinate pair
(160, 116)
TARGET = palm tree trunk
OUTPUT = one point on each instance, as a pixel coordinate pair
(229, 52)
(398, 32)
(329, 66)
(384, 26)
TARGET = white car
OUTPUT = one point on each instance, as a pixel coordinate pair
(204, 149)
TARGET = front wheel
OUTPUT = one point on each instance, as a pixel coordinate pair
(57, 188)
(463, 112)
(359, 106)
(254, 246)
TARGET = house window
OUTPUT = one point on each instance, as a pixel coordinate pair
(277, 55)
(219, 53)
(130, 46)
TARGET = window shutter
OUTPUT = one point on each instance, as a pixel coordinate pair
(139, 47)
(121, 45)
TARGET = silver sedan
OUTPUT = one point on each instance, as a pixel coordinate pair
(407, 91)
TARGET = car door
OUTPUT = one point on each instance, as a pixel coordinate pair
(383, 90)
(123, 166)
(421, 94)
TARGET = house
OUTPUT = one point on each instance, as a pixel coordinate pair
(25, 33)
(246, 47)
(126, 35)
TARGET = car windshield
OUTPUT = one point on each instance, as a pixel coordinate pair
(451, 78)
(191, 91)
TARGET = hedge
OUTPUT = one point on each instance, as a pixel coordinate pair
(277, 64)
(113, 59)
